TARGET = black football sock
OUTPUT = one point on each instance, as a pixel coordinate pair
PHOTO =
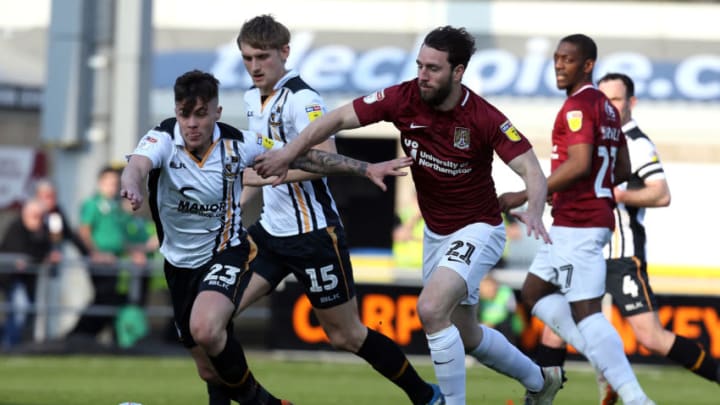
(386, 357)
(693, 356)
(546, 356)
(217, 394)
(232, 368)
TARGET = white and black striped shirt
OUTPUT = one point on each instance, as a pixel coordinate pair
(196, 202)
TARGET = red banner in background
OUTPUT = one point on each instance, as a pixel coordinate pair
(391, 311)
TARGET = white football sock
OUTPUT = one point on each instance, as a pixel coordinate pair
(605, 351)
(554, 311)
(496, 352)
(448, 357)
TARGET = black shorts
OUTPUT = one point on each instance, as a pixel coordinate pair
(319, 260)
(227, 273)
(627, 281)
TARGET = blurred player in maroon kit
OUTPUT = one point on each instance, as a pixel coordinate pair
(589, 157)
(451, 133)
(627, 279)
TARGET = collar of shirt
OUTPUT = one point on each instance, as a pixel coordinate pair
(630, 125)
(289, 75)
(587, 86)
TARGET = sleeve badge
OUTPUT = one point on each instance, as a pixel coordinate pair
(313, 111)
(377, 96)
(574, 120)
(265, 142)
(510, 132)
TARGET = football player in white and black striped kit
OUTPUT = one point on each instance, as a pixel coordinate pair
(194, 167)
(299, 231)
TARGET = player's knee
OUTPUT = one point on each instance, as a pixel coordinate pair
(429, 312)
(349, 340)
(206, 334)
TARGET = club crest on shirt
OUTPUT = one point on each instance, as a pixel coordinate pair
(275, 119)
(313, 111)
(509, 130)
(230, 167)
(462, 138)
(574, 119)
(377, 96)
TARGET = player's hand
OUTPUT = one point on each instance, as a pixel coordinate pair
(512, 200)
(134, 196)
(273, 163)
(376, 172)
(533, 224)
(619, 194)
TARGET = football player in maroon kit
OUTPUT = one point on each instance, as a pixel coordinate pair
(589, 157)
(451, 133)
(627, 278)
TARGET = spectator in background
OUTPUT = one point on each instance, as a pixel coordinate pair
(141, 242)
(29, 237)
(497, 308)
(102, 229)
(55, 219)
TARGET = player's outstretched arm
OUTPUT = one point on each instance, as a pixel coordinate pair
(528, 168)
(277, 162)
(132, 179)
(326, 163)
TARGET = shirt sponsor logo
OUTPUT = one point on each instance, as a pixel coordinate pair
(205, 210)
(510, 132)
(377, 96)
(425, 159)
(462, 138)
(610, 111)
(313, 111)
(574, 120)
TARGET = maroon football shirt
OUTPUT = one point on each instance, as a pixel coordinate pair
(587, 117)
(453, 152)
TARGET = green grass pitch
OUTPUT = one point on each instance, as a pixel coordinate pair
(110, 380)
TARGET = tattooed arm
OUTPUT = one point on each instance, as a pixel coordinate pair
(326, 163)
(322, 162)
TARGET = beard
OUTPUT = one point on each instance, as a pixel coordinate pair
(437, 97)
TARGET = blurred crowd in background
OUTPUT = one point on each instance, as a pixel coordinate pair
(115, 245)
